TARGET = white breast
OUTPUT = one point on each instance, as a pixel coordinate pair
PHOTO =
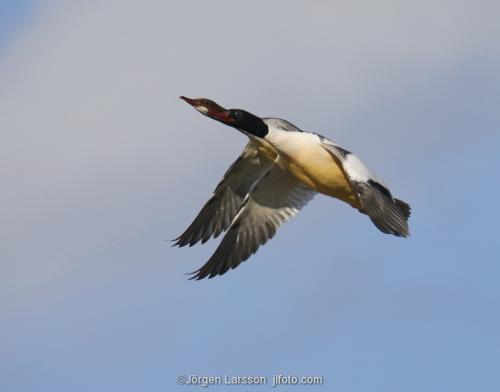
(294, 144)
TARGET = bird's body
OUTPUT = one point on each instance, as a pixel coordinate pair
(279, 171)
(307, 156)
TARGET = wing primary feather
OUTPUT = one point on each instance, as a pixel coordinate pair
(276, 198)
(219, 211)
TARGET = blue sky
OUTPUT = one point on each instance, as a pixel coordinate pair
(103, 163)
(13, 16)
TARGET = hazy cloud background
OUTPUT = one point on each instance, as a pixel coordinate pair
(101, 163)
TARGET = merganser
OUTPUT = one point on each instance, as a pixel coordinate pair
(278, 173)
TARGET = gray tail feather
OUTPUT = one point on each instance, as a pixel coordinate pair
(392, 218)
(404, 207)
(388, 214)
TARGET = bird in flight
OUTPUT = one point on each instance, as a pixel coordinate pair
(278, 173)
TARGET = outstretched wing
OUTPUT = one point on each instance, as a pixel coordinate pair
(274, 200)
(225, 202)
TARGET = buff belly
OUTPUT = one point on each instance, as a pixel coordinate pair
(312, 165)
(322, 173)
(304, 157)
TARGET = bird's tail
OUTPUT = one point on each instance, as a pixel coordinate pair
(390, 215)
(392, 218)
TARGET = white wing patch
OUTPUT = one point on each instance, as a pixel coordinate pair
(353, 166)
(356, 169)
